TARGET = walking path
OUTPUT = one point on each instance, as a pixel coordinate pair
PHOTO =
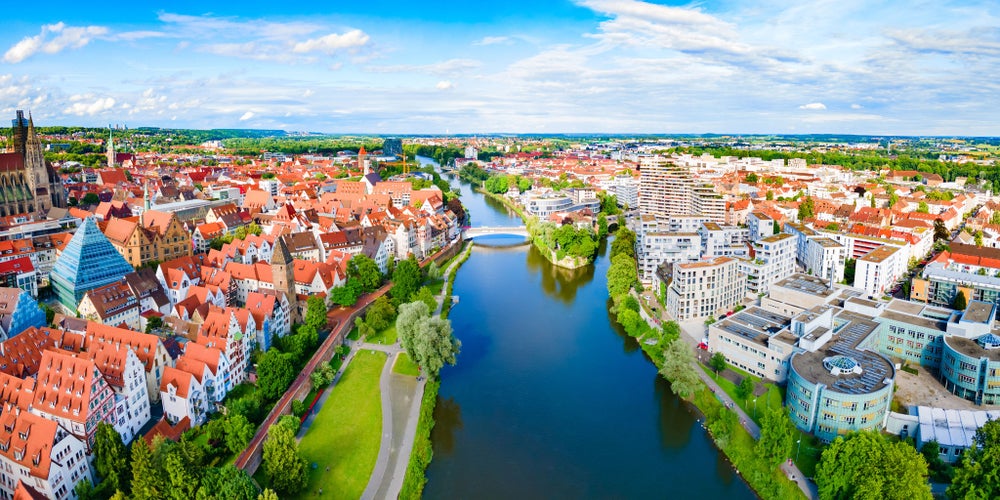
(401, 399)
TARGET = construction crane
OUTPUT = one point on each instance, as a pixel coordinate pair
(406, 166)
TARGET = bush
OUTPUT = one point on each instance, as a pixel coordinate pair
(299, 408)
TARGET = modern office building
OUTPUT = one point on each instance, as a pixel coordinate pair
(877, 270)
(771, 259)
(88, 261)
(18, 312)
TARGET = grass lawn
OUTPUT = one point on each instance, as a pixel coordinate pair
(345, 435)
(355, 334)
(436, 286)
(404, 366)
(384, 337)
(772, 399)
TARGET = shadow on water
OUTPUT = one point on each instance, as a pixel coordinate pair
(675, 423)
(558, 282)
(447, 421)
(475, 347)
(629, 344)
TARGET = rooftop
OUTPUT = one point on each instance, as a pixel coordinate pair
(805, 283)
(880, 254)
(851, 330)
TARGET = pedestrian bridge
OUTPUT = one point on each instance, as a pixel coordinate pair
(474, 232)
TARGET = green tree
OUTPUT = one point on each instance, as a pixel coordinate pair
(239, 432)
(940, 471)
(960, 302)
(777, 435)
(153, 323)
(315, 312)
(91, 199)
(923, 208)
(267, 494)
(769, 196)
(602, 225)
(426, 296)
(427, 340)
(226, 483)
(850, 268)
(671, 331)
(147, 484)
(365, 270)
(380, 314)
(807, 208)
(275, 372)
(865, 465)
(995, 218)
(940, 230)
(723, 426)
(110, 457)
(745, 389)
(678, 368)
(284, 465)
(346, 295)
(182, 479)
(406, 279)
(977, 477)
(718, 363)
(751, 178)
(624, 243)
(622, 275)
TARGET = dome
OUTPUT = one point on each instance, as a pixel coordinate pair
(989, 341)
(842, 365)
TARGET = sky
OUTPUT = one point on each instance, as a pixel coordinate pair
(891, 67)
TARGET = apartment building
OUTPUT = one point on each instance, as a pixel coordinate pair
(706, 288)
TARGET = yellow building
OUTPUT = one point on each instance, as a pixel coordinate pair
(155, 236)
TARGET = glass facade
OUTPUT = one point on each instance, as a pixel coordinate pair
(971, 369)
(826, 413)
(27, 314)
(88, 261)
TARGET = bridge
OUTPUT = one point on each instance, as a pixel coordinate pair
(474, 232)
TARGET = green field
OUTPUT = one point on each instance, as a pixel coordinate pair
(405, 366)
(346, 434)
(384, 337)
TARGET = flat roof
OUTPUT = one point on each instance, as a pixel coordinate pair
(850, 330)
(971, 348)
(951, 428)
(931, 324)
(978, 312)
(880, 254)
(812, 285)
(754, 324)
(777, 237)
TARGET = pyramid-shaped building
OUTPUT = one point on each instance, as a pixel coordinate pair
(88, 261)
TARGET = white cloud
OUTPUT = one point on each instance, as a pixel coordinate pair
(332, 43)
(444, 85)
(246, 116)
(53, 39)
(813, 106)
(308, 93)
(443, 68)
(87, 105)
(856, 106)
(494, 40)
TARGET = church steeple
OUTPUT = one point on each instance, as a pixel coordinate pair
(283, 274)
(111, 148)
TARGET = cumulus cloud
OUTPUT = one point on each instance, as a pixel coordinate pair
(53, 39)
(444, 85)
(813, 106)
(856, 106)
(332, 43)
(246, 116)
(88, 105)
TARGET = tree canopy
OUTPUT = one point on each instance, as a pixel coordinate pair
(977, 477)
(366, 271)
(777, 435)
(428, 340)
(275, 371)
(284, 465)
(679, 369)
(622, 275)
(406, 279)
(865, 465)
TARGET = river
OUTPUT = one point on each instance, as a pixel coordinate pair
(550, 399)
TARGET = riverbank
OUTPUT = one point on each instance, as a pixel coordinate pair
(736, 441)
(568, 262)
(422, 452)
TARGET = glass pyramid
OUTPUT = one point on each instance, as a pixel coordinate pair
(88, 261)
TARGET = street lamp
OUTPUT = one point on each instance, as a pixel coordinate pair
(754, 407)
(798, 450)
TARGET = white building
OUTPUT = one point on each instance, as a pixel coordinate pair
(706, 288)
(41, 454)
(879, 269)
(772, 259)
(723, 241)
(183, 395)
(655, 247)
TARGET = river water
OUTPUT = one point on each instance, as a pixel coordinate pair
(550, 399)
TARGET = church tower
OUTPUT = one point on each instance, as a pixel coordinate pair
(283, 275)
(362, 162)
(38, 176)
(111, 149)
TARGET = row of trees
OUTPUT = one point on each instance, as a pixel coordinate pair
(164, 469)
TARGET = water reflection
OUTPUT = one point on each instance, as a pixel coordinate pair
(675, 423)
(558, 282)
(447, 422)
(629, 345)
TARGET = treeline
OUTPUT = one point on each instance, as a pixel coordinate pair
(565, 240)
(298, 145)
(921, 161)
(441, 154)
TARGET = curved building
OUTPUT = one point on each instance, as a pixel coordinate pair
(839, 387)
(970, 368)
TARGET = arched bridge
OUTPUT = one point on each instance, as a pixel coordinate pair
(474, 232)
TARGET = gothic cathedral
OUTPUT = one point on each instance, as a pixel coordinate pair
(28, 185)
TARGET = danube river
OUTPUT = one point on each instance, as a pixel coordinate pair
(550, 399)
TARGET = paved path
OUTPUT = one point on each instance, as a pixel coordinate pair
(401, 399)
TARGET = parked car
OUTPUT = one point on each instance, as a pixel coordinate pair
(703, 346)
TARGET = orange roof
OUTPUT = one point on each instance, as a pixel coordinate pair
(29, 440)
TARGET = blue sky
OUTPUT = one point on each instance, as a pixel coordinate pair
(615, 66)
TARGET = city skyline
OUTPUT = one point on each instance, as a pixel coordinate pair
(583, 66)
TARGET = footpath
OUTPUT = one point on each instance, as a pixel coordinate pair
(692, 332)
(401, 399)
